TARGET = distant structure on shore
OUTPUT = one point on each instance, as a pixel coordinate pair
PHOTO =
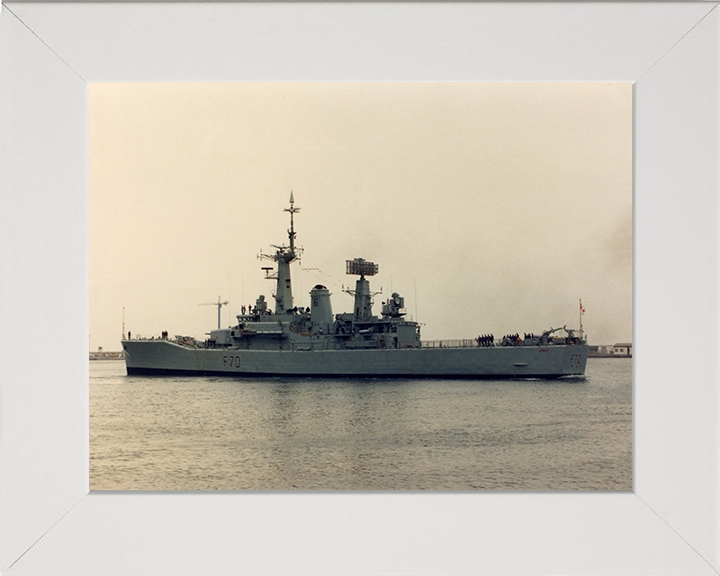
(102, 355)
(620, 350)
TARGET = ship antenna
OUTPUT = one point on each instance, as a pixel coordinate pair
(415, 287)
(291, 232)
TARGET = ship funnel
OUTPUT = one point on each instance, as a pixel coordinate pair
(321, 309)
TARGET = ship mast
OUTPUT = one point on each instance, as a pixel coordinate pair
(291, 232)
(284, 255)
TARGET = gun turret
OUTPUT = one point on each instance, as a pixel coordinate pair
(551, 331)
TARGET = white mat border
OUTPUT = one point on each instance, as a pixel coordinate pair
(666, 48)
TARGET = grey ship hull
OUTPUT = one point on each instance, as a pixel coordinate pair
(164, 357)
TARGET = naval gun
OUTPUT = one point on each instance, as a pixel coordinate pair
(570, 339)
(546, 335)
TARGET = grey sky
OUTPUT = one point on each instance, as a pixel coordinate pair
(491, 207)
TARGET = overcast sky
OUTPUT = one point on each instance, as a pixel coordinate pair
(491, 207)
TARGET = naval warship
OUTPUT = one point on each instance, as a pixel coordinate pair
(311, 341)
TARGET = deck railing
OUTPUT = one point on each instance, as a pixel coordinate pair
(472, 343)
(466, 343)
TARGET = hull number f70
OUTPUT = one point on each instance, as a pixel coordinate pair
(231, 361)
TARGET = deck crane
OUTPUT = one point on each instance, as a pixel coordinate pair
(218, 304)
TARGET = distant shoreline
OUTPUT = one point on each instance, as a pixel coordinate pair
(106, 356)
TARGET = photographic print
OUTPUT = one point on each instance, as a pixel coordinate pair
(361, 286)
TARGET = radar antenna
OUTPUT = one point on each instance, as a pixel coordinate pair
(361, 267)
(362, 294)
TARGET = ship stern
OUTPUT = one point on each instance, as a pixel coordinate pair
(575, 360)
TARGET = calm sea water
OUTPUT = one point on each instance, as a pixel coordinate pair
(182, 433)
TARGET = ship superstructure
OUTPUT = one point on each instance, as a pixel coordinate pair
(312, 341)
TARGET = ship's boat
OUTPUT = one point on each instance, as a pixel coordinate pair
(314, 342)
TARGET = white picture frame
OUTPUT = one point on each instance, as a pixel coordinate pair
(49, 523)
